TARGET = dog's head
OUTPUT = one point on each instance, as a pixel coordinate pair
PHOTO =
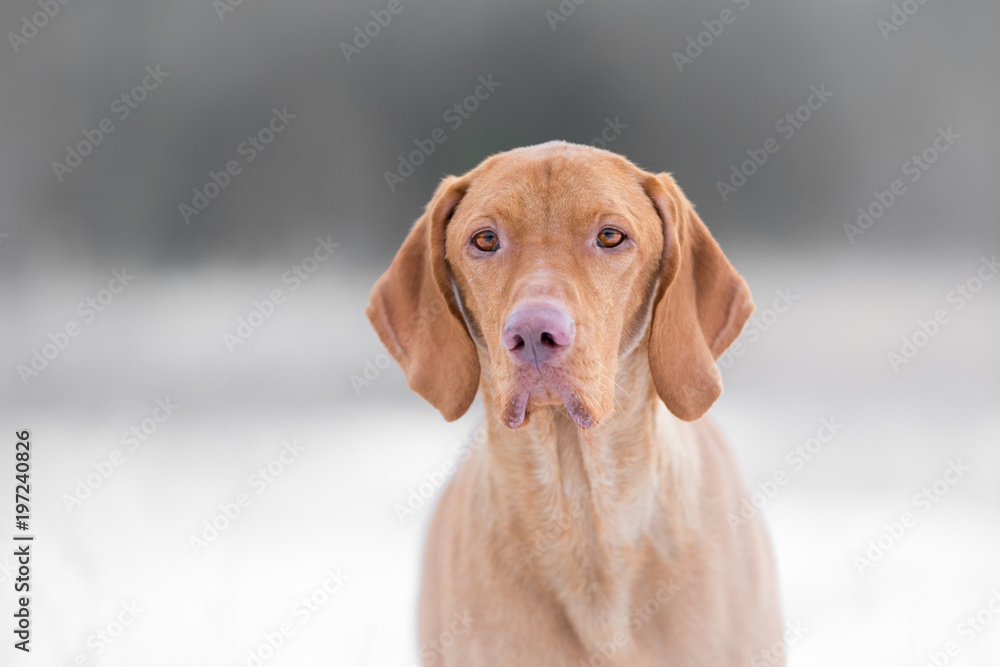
(551, 263)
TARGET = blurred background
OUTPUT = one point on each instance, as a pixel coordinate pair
(196, 197)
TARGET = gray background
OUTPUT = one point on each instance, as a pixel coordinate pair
(367, 445)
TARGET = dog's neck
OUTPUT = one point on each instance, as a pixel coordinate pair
(587, 509)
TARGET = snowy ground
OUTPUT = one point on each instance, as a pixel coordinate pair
(330, 510)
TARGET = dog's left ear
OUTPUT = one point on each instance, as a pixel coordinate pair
(414, 311)
(702, 305)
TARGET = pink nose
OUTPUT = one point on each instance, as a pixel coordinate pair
(537, 334)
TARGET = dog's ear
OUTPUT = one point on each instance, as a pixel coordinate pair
(702, 305)
(414, 311)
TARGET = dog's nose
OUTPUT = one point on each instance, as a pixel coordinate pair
(537, 334)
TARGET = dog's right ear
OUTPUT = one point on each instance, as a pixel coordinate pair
(414, 311)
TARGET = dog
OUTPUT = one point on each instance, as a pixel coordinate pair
(586, 302)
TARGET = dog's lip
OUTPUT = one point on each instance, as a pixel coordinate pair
(514, 413)
(580, 414)
(516, 409)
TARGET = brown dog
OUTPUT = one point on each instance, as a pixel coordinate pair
(575, 291)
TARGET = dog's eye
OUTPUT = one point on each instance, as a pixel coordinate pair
(486, 240)
(609, 237)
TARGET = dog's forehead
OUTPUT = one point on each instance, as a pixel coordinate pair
(552, 180)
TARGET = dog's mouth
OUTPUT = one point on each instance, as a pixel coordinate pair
(532, 389)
